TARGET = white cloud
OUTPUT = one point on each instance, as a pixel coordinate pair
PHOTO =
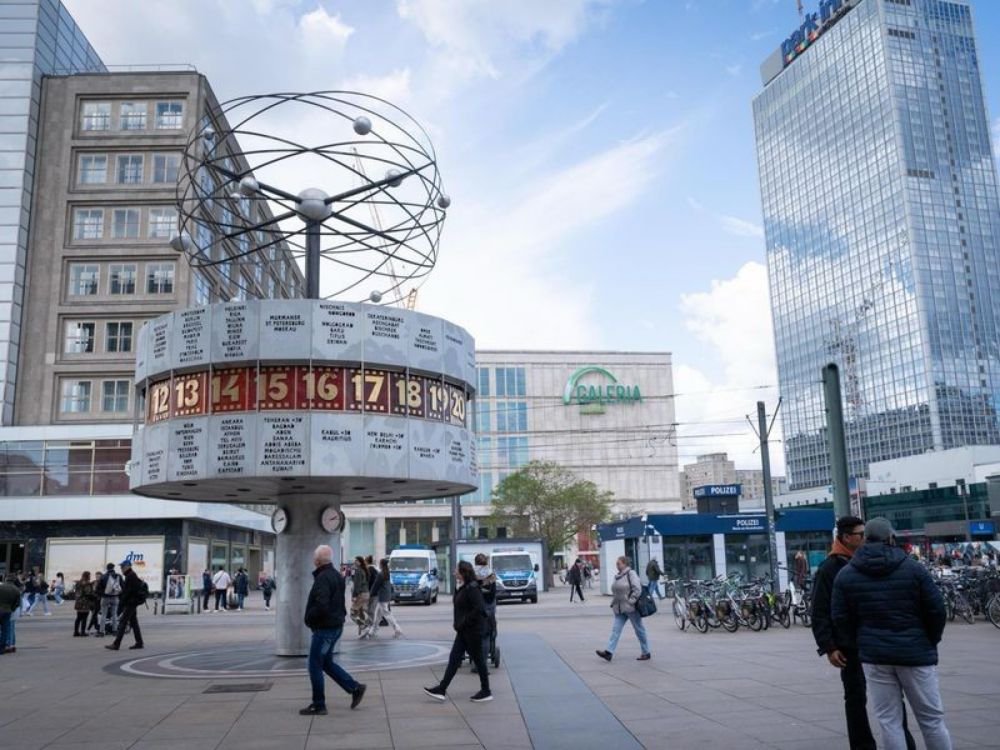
(483, 38)
(502, 274)
(735, 69)
(324, 32)
(741, 227)
(393, 87)
(732, 321)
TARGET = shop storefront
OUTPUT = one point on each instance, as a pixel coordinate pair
(704, 545)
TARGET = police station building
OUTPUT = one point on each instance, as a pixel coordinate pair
(705, 545)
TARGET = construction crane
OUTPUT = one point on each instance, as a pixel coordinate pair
(409, 301)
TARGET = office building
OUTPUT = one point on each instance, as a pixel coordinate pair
(881, 220)
(94, 263)
(606, 416)
(717, 468)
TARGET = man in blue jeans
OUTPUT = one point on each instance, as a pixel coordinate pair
(325, 614)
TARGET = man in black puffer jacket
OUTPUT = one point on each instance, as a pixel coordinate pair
(835, 646)
(888, 605)
(325, 613)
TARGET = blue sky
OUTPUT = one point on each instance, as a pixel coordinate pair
(599, 154)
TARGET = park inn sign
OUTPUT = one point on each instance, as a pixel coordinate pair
(600, 389)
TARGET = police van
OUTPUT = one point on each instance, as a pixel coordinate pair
(414, 575)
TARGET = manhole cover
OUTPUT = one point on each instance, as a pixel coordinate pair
(239, 687)
(257, 661)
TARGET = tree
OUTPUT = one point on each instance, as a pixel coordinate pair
(542, 499)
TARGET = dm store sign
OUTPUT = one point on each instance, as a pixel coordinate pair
(593, 388)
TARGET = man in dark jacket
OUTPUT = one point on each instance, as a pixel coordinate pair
(838, 650)
(653, 576)
(325, 613)
(888, 605)
(574, 577)
(130, 599)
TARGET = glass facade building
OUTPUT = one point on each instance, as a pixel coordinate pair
(39, 38)
(881, 219)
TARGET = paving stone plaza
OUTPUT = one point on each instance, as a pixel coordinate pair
(746, 690)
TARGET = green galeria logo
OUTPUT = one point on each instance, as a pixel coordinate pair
(601, 388)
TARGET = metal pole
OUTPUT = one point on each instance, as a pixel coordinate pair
(835, 441)
(456, 534)
(963, 490)
(312, 260)
(765, 462)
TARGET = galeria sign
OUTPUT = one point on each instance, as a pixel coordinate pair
(598, 391)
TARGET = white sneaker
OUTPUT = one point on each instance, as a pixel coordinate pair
(48, 614)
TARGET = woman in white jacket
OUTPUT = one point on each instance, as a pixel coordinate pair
(625, 593)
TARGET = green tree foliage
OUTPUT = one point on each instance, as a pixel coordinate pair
(544, 500)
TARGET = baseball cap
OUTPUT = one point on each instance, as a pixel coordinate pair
(124, 563)
(878, 530)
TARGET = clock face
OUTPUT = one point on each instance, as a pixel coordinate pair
(279, 520)
(332, 520)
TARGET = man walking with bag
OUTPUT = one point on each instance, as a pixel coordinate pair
(134, 593)
(888, 604)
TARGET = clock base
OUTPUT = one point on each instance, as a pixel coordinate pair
(293, 567)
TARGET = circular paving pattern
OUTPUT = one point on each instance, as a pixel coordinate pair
(255, 661)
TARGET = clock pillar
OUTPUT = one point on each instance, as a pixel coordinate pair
(293, 567)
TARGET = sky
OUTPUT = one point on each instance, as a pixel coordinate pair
(599, 155)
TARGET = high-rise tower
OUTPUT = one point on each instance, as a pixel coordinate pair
(881, 219)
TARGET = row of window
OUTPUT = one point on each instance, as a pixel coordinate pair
(131, 115)
(84, 279)
(56, 467)
(125, 223)
(128, 169)
(81, 396)
(80, 337)
(509, 381)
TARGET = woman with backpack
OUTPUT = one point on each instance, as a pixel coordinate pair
(625, 592)
(86, 601)
(382, 593)
(267, 587)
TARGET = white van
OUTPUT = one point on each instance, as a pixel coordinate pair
(414, 575)
(515, 570)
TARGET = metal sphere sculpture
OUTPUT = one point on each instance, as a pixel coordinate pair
(352, 183)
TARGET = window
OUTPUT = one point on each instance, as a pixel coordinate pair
(79, 337)
(129, 169)
(93, 169)
(115, 396)
(83, 279)
(202, 290)
(165, 168)
(88, 223)
(95, 116)
(132, 116)
(118, 336)
(121, 278)
(75, 396)
(160, 278)
(162, 223)
(125, 224)
(169, 115)
(510, 381)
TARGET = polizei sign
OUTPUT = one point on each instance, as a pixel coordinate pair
(592, 388)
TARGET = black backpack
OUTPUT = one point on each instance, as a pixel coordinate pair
(142, 594)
